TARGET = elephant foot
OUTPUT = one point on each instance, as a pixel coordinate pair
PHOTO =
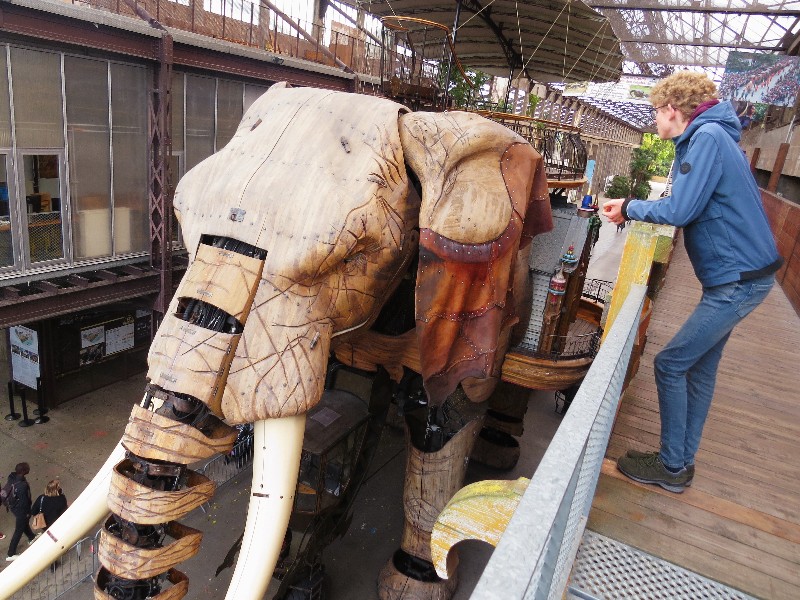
(406, 577)
(496, 449)
(504, 422)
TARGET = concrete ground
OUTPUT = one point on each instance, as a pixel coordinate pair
(81, 433)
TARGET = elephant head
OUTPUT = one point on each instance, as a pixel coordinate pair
(298, 230)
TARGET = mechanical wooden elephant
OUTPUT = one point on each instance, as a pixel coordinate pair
(298, 231)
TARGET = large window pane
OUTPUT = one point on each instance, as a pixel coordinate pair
(5, 107)
(200, 92)
(229, 110)
(42, 185)
(129, 111)
(37, 98)
(6, 233)
(252, 93)
(177, 111)
(86, 86)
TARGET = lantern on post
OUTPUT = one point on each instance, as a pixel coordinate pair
(334, 434)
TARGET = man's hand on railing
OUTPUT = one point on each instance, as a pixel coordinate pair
(612, 210)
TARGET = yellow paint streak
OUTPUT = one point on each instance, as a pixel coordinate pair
(646, 244)
(480, 511)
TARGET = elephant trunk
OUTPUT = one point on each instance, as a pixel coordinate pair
(152, 488)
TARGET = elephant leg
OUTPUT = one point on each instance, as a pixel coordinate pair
(497, 444)
(150, 489)
(432, 477)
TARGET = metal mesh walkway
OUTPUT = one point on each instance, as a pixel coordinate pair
(607, 569)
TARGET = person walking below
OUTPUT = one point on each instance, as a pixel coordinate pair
(19, 503)
(716, 201)
(51, 504)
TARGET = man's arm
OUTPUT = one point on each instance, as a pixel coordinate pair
(694, 182)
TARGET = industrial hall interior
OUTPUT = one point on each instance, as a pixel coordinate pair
(399, 300)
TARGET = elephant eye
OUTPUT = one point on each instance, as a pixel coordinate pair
(355, 263)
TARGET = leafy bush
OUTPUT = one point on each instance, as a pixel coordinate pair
(620, 187)
(641, 190)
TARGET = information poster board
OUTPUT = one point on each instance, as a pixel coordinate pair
(104, 339)
(761, 78)
(25, 364)
(635, 90)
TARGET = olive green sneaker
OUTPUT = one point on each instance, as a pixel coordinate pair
(639, 454)
(650, 469)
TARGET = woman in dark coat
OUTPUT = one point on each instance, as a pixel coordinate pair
(52, 503)
(20, 506)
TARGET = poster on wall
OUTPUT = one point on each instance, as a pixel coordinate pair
(761, 78)
(635, 90)
(24, 355)
(92, 336)
(120, 337)
(104, 339)
(92, 344)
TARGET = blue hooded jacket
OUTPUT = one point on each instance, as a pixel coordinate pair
(716, 201)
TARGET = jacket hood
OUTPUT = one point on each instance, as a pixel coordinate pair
(722, 114)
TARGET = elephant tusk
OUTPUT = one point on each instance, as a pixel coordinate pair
(83, 514)
(277, 446)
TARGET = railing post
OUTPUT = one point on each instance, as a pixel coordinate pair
(777, 168)
(645, 245)
(754, 159)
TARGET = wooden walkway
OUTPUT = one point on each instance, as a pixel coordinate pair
(739, 523)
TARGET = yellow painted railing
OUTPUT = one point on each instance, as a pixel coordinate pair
(647, 252)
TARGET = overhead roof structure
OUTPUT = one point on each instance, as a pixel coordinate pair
(560, 41)
(546, 41)
(658, 36)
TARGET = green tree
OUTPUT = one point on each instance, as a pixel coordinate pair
(640, 165)
(662, 151)
(619, 187)
(459, 89)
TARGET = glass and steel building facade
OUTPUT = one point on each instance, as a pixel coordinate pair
(74, 165)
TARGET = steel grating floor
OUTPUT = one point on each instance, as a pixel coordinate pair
(605, 569)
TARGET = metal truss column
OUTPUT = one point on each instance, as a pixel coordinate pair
(160, 177)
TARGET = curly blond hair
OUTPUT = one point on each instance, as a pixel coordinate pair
(684, 90)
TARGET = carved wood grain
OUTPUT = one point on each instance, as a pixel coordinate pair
(542, 373)
(394, 585)
(188, 359)
(127, 561)
(431, 480)
(156, 437)
(139, 504)
(179, 588)
(370, 349)
(222, 278)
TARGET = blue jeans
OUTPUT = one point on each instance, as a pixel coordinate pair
(686, 369)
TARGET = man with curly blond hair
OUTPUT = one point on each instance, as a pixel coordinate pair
(716, 201)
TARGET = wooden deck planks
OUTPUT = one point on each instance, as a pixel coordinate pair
(740, 521)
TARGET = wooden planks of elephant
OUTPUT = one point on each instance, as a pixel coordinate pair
(299, 230)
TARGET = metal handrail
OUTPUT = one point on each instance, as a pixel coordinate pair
(244, 23)
(69, 570)
(597, 290)
(535, 554)
(560, 145)
(570, 346)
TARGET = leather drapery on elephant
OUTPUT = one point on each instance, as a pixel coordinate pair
(298, 231)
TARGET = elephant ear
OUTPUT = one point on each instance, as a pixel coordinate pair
(484, 194)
